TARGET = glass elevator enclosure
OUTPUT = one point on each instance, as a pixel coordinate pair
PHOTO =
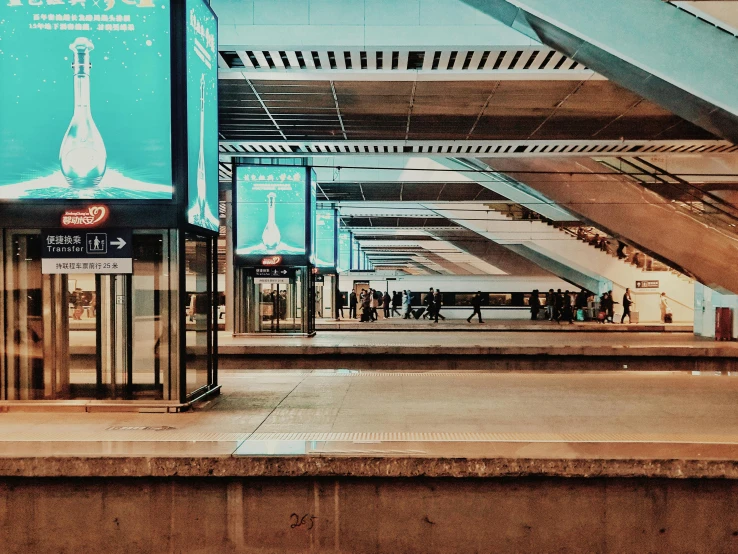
(108, 336)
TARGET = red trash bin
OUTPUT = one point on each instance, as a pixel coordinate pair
(723, 324)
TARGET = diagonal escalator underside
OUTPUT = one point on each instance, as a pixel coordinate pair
(702, 245)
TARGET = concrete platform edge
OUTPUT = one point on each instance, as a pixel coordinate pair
(362, 467)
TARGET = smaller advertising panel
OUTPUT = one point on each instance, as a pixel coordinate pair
(355, 254)
(325, 229)
(67, 251)
(202, 116)
(271, 205)
(344, 250)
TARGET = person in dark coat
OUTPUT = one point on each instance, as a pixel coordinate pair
(558, 305)
(386, 304)
(476, 303)
(535, 305)
(437, 303)
(428, 303)
(396, 303)
(352, 304)
(340, 303)
(627, 303)
(611, 307)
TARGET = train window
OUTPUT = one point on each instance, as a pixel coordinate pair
(464, 298)
(500, 299)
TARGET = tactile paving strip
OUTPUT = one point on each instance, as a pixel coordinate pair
(498, 437)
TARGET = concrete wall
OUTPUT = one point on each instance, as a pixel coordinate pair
(230, 515)
(705, 302)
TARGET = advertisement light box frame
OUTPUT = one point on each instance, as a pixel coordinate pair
(131, 212)
(258, 249)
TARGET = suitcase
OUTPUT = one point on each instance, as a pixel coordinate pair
(417, 313)
(667, 318)
(635, 317)
(580, 315)
(723, 324)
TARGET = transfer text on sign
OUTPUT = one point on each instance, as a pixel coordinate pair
(66, 251)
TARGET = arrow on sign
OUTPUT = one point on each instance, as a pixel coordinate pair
(119, 242)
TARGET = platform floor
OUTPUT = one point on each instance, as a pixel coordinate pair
(399, 341)
(620, 415)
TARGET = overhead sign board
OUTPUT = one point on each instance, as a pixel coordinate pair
(647, 284)
(280, 272)
(67, 251)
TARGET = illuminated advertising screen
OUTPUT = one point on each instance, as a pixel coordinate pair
(355, 253)
(344, 250)
(85, 99)
(271, 207)
(325, 230)
(202, 116)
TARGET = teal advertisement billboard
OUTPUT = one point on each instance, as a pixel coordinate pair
(85, 99)
(271, 206)
(325, 226)
(344, 250)
(202, 116)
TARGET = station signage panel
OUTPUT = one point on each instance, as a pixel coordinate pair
(85, 99)
(647, 284)
(67, 251)
(273, 275)
(202, 116)
(271, 211)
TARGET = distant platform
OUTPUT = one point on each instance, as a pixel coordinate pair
(550, 350)
(495, 325)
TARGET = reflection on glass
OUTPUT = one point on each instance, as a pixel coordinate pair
(24, 340)
(199, 311)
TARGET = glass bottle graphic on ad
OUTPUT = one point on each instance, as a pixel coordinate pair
(271, 235)
(200, 213)
(82, 156)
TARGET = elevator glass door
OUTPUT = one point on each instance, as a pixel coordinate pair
(279, 309)
(72, 336)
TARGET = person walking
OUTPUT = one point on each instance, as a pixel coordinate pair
(374, 303)
(550, 302)
(535, 305)
(386, 304)
(627, 303)
(396, 303)
(406, 304)
(558, 305)
(476, 303)
(340, 303)
(437, 303)
(611, 307)
(666, 316)
(566, 309)
(366, 309)
(428, 303)
(352, 304)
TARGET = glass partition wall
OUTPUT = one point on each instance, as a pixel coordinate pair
(108, 336)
